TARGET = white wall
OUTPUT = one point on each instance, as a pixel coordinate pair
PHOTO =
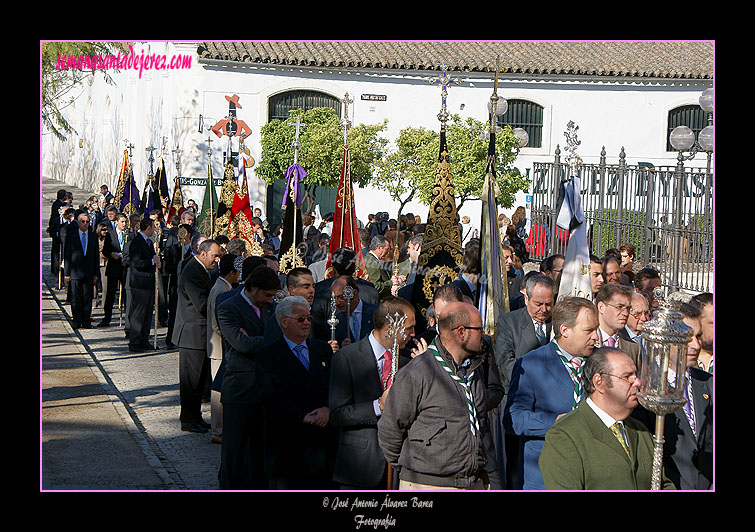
(613, 114)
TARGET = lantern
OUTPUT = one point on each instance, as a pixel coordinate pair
(663, 368)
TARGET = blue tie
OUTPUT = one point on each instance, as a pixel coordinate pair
(299, 351)
(84, 242)
(356, 319)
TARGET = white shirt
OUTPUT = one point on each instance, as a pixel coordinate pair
(378, 351)
(607, 420)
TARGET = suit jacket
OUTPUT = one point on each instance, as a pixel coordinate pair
(292, 447)
(214, 339)
(245, 379)
(194, 285)
(464, 287)
(630, 347)
(580, 452)
(688, 460)
(365, 327)
(515, 337)
(78, 265)
(140, 256)
(321, 303)
(378, 276)
(540, 390)
(114, 267)
(354, 385)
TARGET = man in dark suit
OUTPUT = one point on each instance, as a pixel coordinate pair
(241, 318)
(343, 262)
(613, 302)
(190, 334)
(143, 262)
(300, 443)
(53, 229)
(360, 313)
(358, 389)
(546, 384)
(688, 432)
(517, 333)
(114, 271)
(81, 255)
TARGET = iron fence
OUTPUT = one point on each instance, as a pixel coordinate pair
(665, 212)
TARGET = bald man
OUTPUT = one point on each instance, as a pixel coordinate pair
(434, 428)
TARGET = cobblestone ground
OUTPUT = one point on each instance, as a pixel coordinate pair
(147, 384)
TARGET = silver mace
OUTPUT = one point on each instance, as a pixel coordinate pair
(333, 321)
(396, 328)
(348, 295)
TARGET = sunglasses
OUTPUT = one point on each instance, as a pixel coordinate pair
(300, 319)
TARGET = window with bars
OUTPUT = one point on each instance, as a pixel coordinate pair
(691, 116)
(528, 116)
(279, 107)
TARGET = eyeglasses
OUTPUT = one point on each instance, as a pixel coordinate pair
(638, 313)
(633, 377)
(300, 319)
(620, 308)
(468, 327)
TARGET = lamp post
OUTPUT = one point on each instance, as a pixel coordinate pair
(682, 139)
(662, 371)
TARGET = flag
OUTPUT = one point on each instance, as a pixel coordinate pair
(207, 216)
(177, 203)
(345, 233)
(575, 277)
(441, 257)
(127, 193)
(493, 286)
(161, 179)
(291, 239)
(240, 220)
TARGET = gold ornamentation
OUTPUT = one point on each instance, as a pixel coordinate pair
(436, 277)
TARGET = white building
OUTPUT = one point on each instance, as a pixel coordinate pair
(620, 94)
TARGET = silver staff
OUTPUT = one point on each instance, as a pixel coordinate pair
(333, 321)
(348, 295)
(395, 329)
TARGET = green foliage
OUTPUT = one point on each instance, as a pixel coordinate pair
(58, 83)
(632, 231)
(411, 167)
(321, 152)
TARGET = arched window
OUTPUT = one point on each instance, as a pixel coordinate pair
(279, 107)
(691, 116)
(528, 116)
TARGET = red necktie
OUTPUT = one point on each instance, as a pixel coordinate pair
(386, 374)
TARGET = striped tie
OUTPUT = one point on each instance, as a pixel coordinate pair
(618, 431)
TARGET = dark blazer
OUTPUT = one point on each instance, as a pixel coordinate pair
(366, 327)
(515, 337)
(464, 287)
(354, 385)
(688, 460)
(245, 379)
(294, 448)
(140, 255)
(194, 285)
(540, 390)
(321, 302)
(78, 265)
(114, 267)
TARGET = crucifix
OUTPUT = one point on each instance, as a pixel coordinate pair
(296, 144)
(130, 148)
(177, 157)
(345, 122)
(444, 80)
(151, 160)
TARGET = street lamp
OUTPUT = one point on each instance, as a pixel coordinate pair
(522, 135)
(682, 139)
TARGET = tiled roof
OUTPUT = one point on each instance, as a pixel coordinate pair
(674, 60)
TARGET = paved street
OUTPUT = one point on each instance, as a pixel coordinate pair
(109, 418)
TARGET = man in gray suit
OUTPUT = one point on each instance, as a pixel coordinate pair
(358, 389)
(517, 333)
(190, 334)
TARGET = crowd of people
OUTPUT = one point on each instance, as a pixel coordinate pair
(313, 386)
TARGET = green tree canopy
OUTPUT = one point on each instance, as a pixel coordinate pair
(321, 152)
